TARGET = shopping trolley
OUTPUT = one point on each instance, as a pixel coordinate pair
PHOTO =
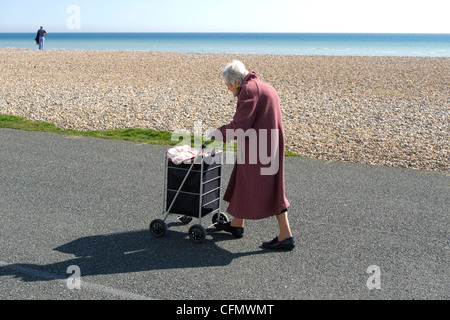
(192, 185)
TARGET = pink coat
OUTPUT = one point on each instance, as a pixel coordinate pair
(256, 188)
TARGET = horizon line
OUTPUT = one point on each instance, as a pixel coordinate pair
(235, 32)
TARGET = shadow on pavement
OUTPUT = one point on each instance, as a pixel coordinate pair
(133, 251)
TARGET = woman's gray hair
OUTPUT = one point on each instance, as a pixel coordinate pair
(234, 72)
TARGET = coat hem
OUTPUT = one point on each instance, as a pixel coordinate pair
(258, 218)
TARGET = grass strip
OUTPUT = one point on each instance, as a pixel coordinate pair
(148, 136)
(130, 134)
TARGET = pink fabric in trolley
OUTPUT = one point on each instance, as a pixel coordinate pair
(182, 154)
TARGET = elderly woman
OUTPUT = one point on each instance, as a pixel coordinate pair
(256, 188)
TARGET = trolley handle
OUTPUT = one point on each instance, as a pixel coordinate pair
(212, 139)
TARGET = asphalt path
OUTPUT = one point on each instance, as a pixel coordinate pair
(75, 208)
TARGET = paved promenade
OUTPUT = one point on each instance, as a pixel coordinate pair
(70, 204)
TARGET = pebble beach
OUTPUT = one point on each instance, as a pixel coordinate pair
(390, 111)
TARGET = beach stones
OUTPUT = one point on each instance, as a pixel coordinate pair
(390, 111)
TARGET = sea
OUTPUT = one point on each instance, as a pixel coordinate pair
(346, 44)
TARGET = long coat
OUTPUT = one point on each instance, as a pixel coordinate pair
(256, 189)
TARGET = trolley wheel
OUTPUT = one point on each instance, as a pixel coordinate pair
(197, 233)
(158, 228)
(185, 219)
(222, 217)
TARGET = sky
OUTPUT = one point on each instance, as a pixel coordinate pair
(352, 16)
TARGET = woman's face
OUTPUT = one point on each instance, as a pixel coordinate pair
(233, 89)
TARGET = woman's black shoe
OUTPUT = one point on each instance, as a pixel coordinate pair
(238, 232)
(287, 244)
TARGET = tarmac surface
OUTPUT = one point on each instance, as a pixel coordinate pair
(75, 208)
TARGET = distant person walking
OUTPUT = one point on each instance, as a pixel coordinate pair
(40, 38)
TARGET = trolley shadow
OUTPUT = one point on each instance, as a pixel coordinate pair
(135, 251)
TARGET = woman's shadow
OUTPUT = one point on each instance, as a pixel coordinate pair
(133, 251)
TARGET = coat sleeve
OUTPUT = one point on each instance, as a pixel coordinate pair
(245, 112)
